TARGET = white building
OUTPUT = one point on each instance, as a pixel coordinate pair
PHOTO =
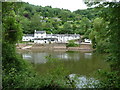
(41, 37)
(28, 37)
(87, 41)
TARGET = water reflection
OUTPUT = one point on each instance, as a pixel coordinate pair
(27, 56)
(69, 56)
(83, 63)
(35, 57)
(88, 55)
(40, 57)
(63, 56)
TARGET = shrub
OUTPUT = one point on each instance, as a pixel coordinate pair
(109, 79)
(72, 43)
(27, 78)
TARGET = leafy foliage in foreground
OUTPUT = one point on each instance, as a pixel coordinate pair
(18, 73)
(108, 40)
(55, 78)
(108, 80)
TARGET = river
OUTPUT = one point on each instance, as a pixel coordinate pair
(83, 63)
(77, 62)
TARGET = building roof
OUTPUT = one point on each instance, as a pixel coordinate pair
(62, 35)
(45, 38)
(40, 32)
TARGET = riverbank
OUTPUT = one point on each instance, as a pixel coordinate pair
(55, 47)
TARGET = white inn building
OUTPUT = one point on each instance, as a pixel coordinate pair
(41, 37)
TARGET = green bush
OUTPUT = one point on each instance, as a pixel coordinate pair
(54, 78)
(13, 77)
(109, 79)
(72, 43)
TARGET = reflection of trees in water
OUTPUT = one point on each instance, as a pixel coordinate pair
(83, 63)
(41, 56)
(88, 55)
(35, 57)
(69, 56)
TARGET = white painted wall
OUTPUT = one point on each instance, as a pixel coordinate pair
(44, 41)
(27, 38)
(87, 41)
(62, 38)
(39, 35)
(41, 41)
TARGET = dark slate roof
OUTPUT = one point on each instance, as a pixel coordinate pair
(50, 38)
(40, 32)
(38, 38)
(63, 35)
(29, 35)
(45, 38)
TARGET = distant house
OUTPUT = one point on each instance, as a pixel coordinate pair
(87, 41)
(45, 40)
(28, 37)
(56, 18)
(39, 34)
(70, 21)
(42, 37)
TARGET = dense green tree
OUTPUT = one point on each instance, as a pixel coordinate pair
(114, 47)
(11, 27)
(48, 27)
(84, 26)
(17, 73)
(36, 23)
(110, 13)
(67, 28)
(12, 33)
(64, 16)
(25, 22)
(80, 20)
(114, 33)
(99, 34)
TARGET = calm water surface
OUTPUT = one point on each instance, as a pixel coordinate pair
(77, 62)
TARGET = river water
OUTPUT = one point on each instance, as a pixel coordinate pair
(82, 63)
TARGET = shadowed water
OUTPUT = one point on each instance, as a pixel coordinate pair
(82, 63)
(77, 62)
